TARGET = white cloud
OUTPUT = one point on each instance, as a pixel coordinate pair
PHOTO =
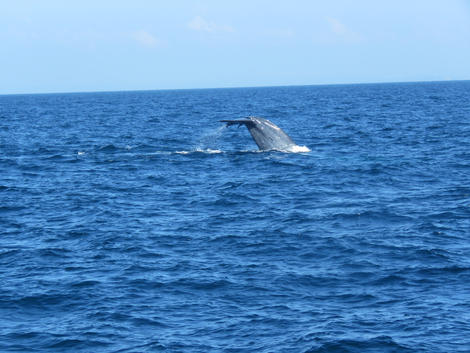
(200, 24)
(145, 38)
(336, 26)
(341, 30)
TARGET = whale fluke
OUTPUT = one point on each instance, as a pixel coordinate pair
(268, 136)
(239, 122)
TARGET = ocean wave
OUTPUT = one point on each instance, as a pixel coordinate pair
(381, 344)
(154, 234)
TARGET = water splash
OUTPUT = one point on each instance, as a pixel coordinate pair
(297, 149)
(210, 139)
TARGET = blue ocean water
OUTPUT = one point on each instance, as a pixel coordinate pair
(136, 222)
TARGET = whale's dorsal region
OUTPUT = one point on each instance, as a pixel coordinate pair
(267, 135)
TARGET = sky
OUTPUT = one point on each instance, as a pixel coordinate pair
(103, 45)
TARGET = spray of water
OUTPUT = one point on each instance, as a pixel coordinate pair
(209, 140)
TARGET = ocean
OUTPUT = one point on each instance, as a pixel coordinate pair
(137, 222)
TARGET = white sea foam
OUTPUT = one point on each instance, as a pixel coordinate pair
(199, 150)
(298, 149)
(290, 149)
(208, 150)
(252, 151)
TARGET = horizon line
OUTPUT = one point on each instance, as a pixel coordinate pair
(228, 87)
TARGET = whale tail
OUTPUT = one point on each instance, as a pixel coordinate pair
(246, 122)
(267, 135)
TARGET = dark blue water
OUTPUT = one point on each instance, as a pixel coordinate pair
(135, 222)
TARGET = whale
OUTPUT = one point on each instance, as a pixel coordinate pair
(267, 135)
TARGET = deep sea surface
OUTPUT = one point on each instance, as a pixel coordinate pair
(137, 222)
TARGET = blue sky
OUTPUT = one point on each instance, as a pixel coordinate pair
(69, 46)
